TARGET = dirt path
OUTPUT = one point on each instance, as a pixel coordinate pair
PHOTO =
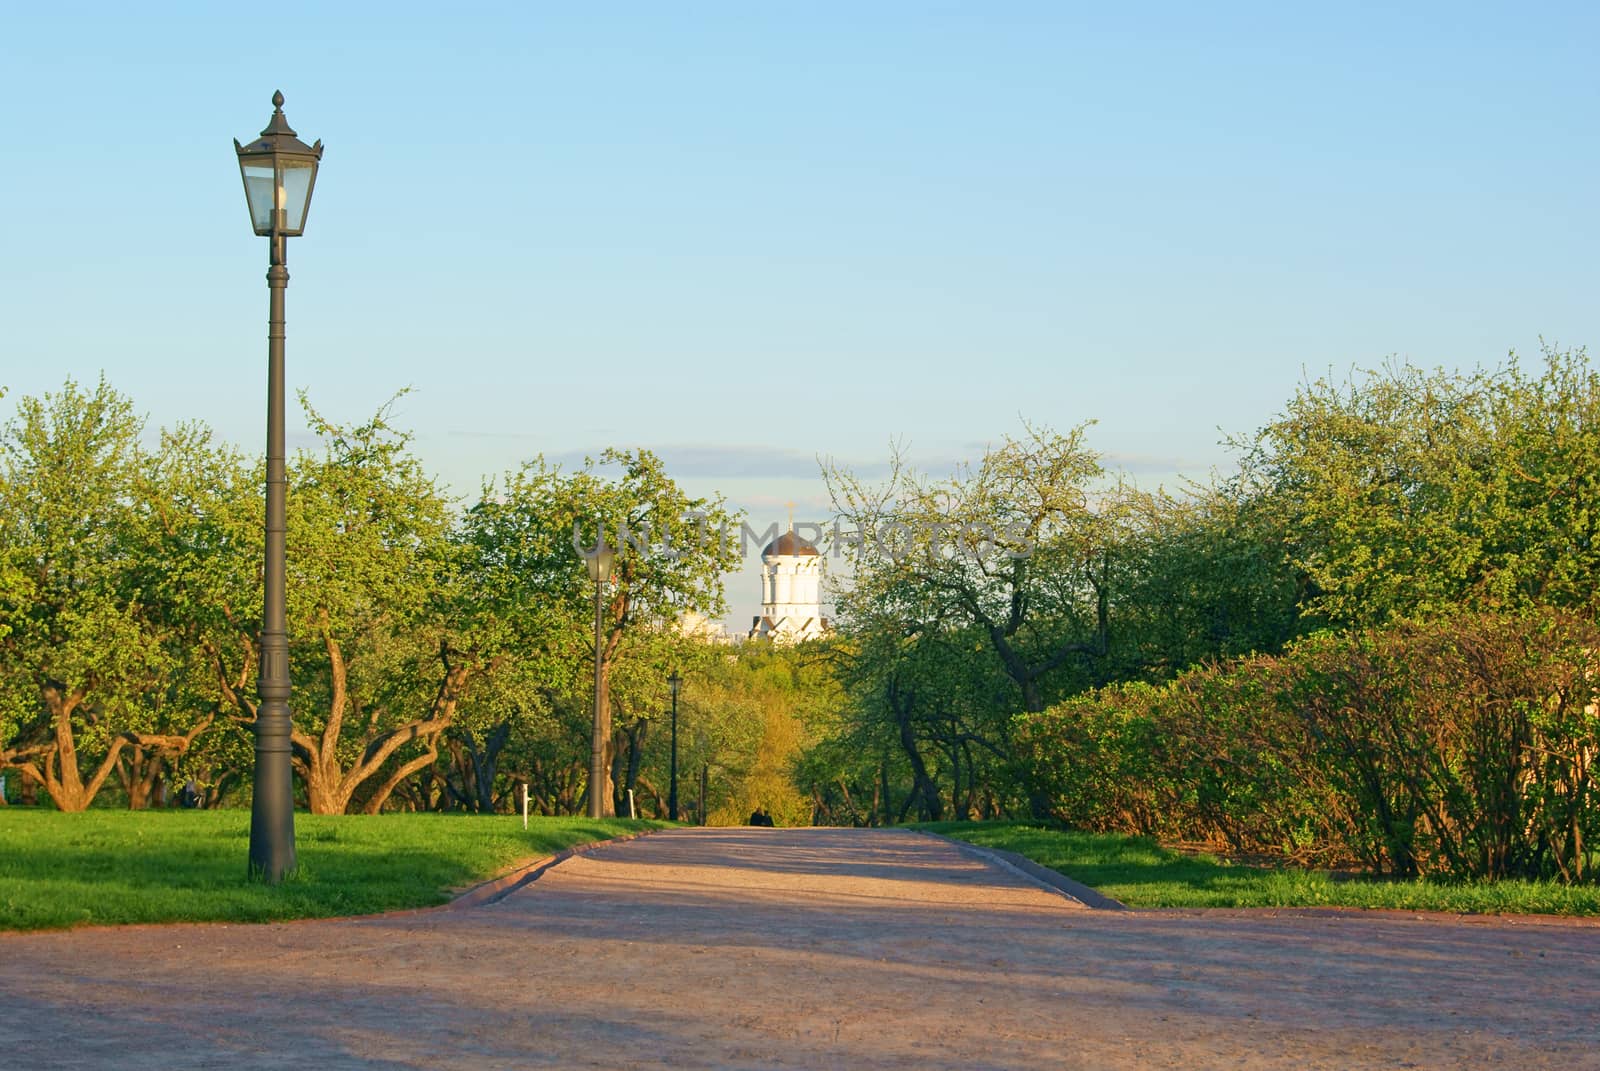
(803, 949)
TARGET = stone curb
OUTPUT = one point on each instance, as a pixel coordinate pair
(497, 889)
(1030, 871)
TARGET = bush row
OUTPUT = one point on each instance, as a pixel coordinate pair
(1466, 747)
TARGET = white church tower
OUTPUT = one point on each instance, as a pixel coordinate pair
(791, 592)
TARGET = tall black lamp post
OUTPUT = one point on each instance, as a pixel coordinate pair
(278, 171)
(674, 682)
(599, 564)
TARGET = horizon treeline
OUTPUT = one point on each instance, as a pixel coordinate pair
(1367, 643)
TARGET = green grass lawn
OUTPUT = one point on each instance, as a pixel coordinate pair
(59, 870)
(1141, 873)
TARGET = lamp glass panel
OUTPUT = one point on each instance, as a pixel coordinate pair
(599, 564)
(258, 191)
(295, 193)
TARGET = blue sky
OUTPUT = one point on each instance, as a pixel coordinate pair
(746, 234)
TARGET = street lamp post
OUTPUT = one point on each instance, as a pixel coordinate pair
(599, 564)
(279, 171)
(675, 682)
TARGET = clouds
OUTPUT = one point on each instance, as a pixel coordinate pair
(1156, 464)
(754, 461)
(707, 461)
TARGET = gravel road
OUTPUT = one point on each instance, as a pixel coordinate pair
(755, 948)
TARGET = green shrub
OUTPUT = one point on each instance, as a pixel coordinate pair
(1461, 747)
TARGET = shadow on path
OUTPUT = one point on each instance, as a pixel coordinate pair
(802, 948)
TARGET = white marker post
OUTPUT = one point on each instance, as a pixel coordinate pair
(524, 805)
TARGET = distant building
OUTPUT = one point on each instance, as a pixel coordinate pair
(791, 592)
(697, 626)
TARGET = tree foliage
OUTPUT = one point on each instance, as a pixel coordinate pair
(524, 543)
(1404, 493)
(1018, 581)
(78, 652)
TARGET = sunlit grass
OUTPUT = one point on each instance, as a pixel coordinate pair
(59, 870)
(1141, 873)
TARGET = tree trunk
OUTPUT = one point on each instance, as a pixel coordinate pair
(59, 772)
(215, 796)
(959, 801)
(322, 793)
(608, 756)
(882, 799)
(13, 759)
(929, 804)
(139, 774)
(628, 765)
(617, 803)
(482, 763)
(645, 787)
(615, 614)
(151, 753)
(330, 786)
(421, 762)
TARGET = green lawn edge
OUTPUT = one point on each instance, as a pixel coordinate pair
(102, 868)
(1142, 874)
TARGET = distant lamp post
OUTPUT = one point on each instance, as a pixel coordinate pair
(674, 682)
(700, 747)
(279, 171)
(599, 563)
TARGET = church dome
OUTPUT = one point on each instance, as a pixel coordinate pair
(789, 545)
